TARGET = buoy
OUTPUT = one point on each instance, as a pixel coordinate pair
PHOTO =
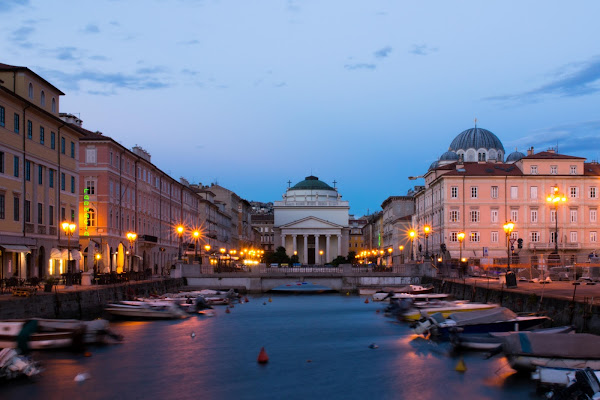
(367, 300)
(460, 366)
(270, 300)
(378, 311)
(193, 335)
(263, 358)
(87, 354)
(227, 311)
(231, 305)
(347, 293)
(264, 303)
(308, 361)
(246, 300)
(373, 346)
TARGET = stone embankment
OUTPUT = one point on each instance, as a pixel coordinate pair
(86, 303)
(584, 315)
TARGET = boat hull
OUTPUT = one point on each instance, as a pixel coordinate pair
(417, 314)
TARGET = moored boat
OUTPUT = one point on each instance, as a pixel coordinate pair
(445, 308)
(301, 287)
(403, 290)
(146, 310)
(493, 340)
(13, 365)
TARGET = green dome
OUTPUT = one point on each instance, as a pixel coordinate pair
(311, 183)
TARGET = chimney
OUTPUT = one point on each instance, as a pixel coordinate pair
(530, 151)
(551, 150)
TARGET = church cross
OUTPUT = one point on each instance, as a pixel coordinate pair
(289, 183)
(334, 182)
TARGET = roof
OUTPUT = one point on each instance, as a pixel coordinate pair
(591, 169)
(515, 156)
(551, 155)
(476, 138)
(311, 183)
(6, 67)
(485, 169)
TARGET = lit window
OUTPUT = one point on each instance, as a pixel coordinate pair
(474, 237)
(454, 216)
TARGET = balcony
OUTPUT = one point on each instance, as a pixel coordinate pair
(148, 238)
(550, 246)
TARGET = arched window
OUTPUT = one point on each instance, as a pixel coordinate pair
(43, 98)
(53, 105)
(481, 156)
(30, 90)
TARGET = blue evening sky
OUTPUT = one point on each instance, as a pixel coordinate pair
(252, 94)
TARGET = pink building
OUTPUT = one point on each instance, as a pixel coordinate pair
(479, 195)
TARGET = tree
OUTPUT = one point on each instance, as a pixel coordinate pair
(351, 257)
(279, 257)
(338, 260)
(295, 259)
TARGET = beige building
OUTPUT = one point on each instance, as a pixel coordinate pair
(39, 177)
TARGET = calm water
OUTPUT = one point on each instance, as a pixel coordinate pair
(318, 347)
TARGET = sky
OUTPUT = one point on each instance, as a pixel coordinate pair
(253, 94)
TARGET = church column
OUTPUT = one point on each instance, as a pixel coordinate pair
(305, 253)
(283, 239)
(317, 256)
(327, 253)
(339, 238)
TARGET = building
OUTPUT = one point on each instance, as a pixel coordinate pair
(39, 178)
(397, 222)
(472, 189)
(312, 221)
(263, 223)
(356, 243)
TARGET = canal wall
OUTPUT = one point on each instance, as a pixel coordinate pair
(583, 315)
(82, 304)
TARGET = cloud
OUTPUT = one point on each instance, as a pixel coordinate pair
(21, 34)
(99, 58)
(573, 80)
(383, 53)
(66, 53)
(352, 67)
(280, 84)
(293, 6)
(574, 139)
(150, 70)
(7, 5)
(422, 50)
(108, 81)
(91, 28)
(189, 42)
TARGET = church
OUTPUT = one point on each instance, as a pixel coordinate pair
(312, 221)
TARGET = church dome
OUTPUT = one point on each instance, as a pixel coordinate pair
(311, 183)
(449, 156)
(476, 138)
(433, 166)
(514, 156)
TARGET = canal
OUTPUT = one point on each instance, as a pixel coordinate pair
(318, 346)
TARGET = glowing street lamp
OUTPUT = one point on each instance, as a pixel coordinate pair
(508, 228)
(180, 229)
(461, 237)
(555, 198)
(97, 257)
(426, 230)
(401, 248)
(131, 236)
(69, 229)
(196, 235)
(321, 256)
(412, 235)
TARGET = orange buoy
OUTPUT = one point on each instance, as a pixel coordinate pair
(270, 300)
(263, 358)
(461, 366)
(231, 305)
(227, 310)
(87, 354)
(367, 300)
(246, 300)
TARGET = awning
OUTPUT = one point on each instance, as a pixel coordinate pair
(75, 255)
(15, 248)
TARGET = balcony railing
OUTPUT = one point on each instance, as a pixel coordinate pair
(550, 246)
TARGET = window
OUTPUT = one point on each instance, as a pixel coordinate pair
(91, 217)
(553, 169)
(72, 150)
(534, 216)
(514, 192)
(474, 236)
(90, 156)
(62, 214)
(593, 236)
(533, 193)
(494, 236)
(40, 175)
(454, 192)
(52, 140)
(573, 237)
(494, 192)
(593, 215)
(53, 105)
(62, 181)
(62, 145)
(593, 192)
(29, 129)
(514, 215)
(454, 236)
(474, 216)
(30, 90)
(91, 187)
(27, 170)
(72, 184)
(481, 156)
(16, 127)
(552, 215)
(454, 216)
(42, 135)
(514, 235)
(40, 213)
(110, 158)
(573, 215)
(2, 116)
(534, 170)
(1, 162)
(27, 211)
(573, 170)
(16, 207)
(51, 178)
(534, 237)
(494, 216)
(43, 98)
(573, 191)
(51, 215)
(473, 192)
(2, 206)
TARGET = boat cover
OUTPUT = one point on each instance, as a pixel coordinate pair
(575, 346)
(497, 314)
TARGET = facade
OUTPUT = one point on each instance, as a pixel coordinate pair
(39, 178)
(356, 243)
(397, 221)
(216, 221)
(479, 197)
(312, 218)
(263, 223)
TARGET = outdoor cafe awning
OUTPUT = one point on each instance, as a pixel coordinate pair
(15, 248)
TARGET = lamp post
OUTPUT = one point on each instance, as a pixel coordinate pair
(69, 229)
(222, 251)
(390, 250)
(426, 229)
(401, 248)
(180, 230)
(321, 256)
(97, 260)
(508, 228)
(461, 238)
(412, 235)
(207, 248)
(555, 198)
(196, 235)
(131, 236)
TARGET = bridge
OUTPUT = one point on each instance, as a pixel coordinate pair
(260, 278)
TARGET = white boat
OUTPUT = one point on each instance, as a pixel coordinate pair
(493, 340)
(53, 333)
(445, 308)
(12, 365)
(568, 383)
(409, 289)
(146, 310)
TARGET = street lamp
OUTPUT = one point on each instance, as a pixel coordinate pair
(426, 229)
(196, 235)
(401, 248)
(555, 199)
(97, 260)
(180, 229)
(461, 237)
(508, 228)
(131, 236)
(390, 255)
(412, 235)
(69, 229)
(321, 256)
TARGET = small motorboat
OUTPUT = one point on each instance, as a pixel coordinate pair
(445, 308)
(146, 310)
(525, 351)
(404, 290)
(492, 341)
(302, 287)
(13, 365)
(499, 319)
(565, 383)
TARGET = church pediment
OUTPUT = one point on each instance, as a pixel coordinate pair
(311, 222)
